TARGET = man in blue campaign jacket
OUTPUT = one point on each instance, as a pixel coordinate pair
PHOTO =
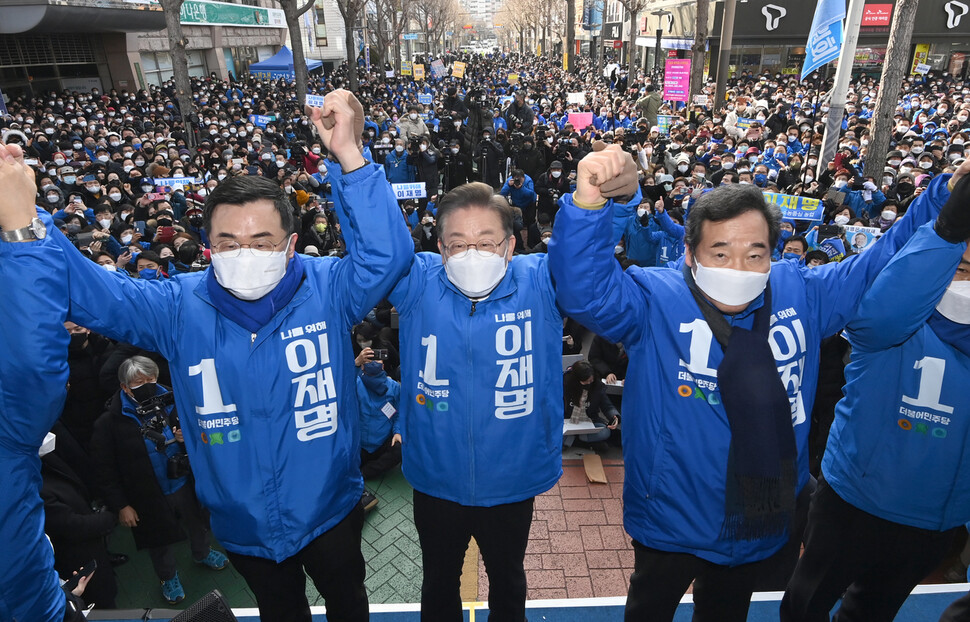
(715, 454)
(481, 398)
(895, 474)
(262, 367)
(33, 386)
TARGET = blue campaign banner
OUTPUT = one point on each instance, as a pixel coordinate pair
(796, 208)
(261, 120)
(3, 106)
(744, 123)
(425, 98)
(825, 38)
(833, 247)
(409, 191)
(410, 36)
(861, 238)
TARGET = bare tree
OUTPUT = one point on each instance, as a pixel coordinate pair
(895, 66)
(633, 8)
(180, 66)
(697, 51)
(293, 12)
(350, 10)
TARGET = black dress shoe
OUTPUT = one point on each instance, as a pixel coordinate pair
(117, 559)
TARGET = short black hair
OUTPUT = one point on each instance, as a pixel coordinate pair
(474, 194)
(243, 189)
(795, 238)
(727, 202)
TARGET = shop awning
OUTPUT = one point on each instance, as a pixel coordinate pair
(279, 65)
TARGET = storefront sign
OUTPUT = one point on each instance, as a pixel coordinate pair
(676, 79)
(919, 56)
(617, 44)
(225, 14)
(877, 14)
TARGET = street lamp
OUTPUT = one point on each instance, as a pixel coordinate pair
(657, 50)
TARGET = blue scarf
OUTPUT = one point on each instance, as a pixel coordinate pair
(956, 335)
(253, 315)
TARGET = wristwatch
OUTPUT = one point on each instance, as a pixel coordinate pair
(36, 230)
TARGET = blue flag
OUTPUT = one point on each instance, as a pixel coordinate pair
(825, 38)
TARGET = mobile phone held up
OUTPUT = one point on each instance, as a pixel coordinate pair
(86, 571)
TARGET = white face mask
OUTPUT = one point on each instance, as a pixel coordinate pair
(126, 239)
(729, 286)
(105, 222)
(887, 181)
(641, 212)
(110, 267)
(475, 275)
(50, 441)
(413, 116)
(115, 196)
(841, 220)
(926, 165)
(316, 151)
(888, 215)
(556, 174)
(399, 148)
(250, 276)
(682, 168)
(727, 165)
(840, 183)
(955, 304)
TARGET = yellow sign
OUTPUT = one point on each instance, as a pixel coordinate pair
(418, 72)
(405, 67)
(920, 56)
(513, 78)
(458, 70)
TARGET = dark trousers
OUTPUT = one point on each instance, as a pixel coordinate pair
(187, 510)
(871, 563)
(384, 458)
(959, 611)
(502, 532)
(660, 579)
(335, 564)
(778, 569)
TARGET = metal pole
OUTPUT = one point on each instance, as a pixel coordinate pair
(833, 127)
(657, 49)
(724, 51)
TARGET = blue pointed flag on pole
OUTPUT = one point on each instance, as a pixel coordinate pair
(825, 38)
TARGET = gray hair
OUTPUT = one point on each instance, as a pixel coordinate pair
(137, 367)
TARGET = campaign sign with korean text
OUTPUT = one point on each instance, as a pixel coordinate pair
(438, 69)
(418, 71)
(744, 123)
(796, 208)
(576, 98)
(676, 79)
(665, 122)
(513, 78)
(458, 69)
(314, 101)
(260, 120)
(833, 247)
(405, 67)
(409, 191)
(171, 182)
(425, 98)
(861, 238)
(580, 120)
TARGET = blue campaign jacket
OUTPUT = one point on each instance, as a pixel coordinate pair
(676, 434)
(375, 425)
(33, 386)
(520, 197)
(269, 418)
(481, 386)
(639, 244)
(897, 448)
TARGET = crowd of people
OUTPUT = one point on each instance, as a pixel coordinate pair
(539, 200)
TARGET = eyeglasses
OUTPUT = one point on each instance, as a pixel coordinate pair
(483, 248)
(231, 248)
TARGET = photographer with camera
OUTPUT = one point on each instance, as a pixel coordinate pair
(549, 187)
(519, 115)
(519, 190)
(489, 154)
(456, 165)
(143, 470)
(412, 126)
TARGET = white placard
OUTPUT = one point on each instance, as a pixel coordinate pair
(409, 191)
(315, 101)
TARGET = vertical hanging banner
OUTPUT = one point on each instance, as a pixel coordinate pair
(676, 79)
(919, 57)
(825, 38)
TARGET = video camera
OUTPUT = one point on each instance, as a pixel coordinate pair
(152, 413)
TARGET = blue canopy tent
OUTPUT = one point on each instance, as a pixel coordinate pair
(279, 65)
